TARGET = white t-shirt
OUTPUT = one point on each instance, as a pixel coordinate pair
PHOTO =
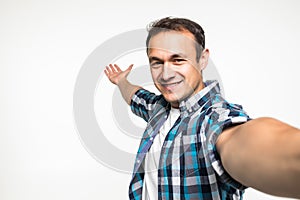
(150, 188)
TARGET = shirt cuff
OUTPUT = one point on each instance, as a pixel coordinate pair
(217, 165)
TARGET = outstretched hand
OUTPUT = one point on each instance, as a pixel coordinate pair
(115, 74)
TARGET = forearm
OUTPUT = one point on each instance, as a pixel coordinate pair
(127, 89)
(119, 77)
(264, 154)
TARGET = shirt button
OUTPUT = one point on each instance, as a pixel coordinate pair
(166, 116)
(151, 138)
(138, 161)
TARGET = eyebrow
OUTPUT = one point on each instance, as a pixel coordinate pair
(153, 58)
(173, 56)
(179, 55)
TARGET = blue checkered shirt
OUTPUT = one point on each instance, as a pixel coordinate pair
(189, 165)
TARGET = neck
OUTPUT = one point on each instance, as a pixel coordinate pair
(198, 89)
(175, 105)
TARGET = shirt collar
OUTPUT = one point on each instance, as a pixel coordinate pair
(200, 99)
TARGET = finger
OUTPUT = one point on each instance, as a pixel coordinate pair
(106, 73)
(113, 69)
(127, 71)
(108, 70)
(117, 68)
(129, 68)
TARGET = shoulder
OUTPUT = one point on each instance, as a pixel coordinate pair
(146, 96)
(263, 127)
(225, 114)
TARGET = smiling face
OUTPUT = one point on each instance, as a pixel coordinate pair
(176, 72)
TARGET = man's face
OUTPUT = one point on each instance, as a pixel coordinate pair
(174, 68)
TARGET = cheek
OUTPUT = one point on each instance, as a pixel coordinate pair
(192, 75)
(155, 74)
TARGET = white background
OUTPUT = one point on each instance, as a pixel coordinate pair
(43, 44)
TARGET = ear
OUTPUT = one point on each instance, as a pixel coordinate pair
(204, 59)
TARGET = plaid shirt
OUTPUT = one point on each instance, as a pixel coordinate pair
(189, 165)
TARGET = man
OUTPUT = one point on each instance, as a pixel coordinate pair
(197, 145)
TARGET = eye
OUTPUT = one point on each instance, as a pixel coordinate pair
(156, 64)
(178, 61)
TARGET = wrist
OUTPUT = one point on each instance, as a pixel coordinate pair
(121, 81)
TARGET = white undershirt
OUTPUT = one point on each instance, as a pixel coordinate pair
(150, 188)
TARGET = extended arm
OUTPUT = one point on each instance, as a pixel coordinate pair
(119, 78)
(263, 153)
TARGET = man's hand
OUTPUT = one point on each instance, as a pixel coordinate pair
(115, 74)
(119, 77)
(264, 154)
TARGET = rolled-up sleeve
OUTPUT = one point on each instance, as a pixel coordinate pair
(143, 102)
(222, 117)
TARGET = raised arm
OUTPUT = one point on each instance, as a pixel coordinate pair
(263, 153)
(119, 78)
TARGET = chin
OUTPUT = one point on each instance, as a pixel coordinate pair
(171, 98)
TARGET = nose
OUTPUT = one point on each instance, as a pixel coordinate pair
(167, 72)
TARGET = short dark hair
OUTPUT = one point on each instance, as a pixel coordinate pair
(178, 24)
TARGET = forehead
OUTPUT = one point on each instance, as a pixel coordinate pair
(172, 42)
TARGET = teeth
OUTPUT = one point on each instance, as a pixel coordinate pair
(171, 84)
